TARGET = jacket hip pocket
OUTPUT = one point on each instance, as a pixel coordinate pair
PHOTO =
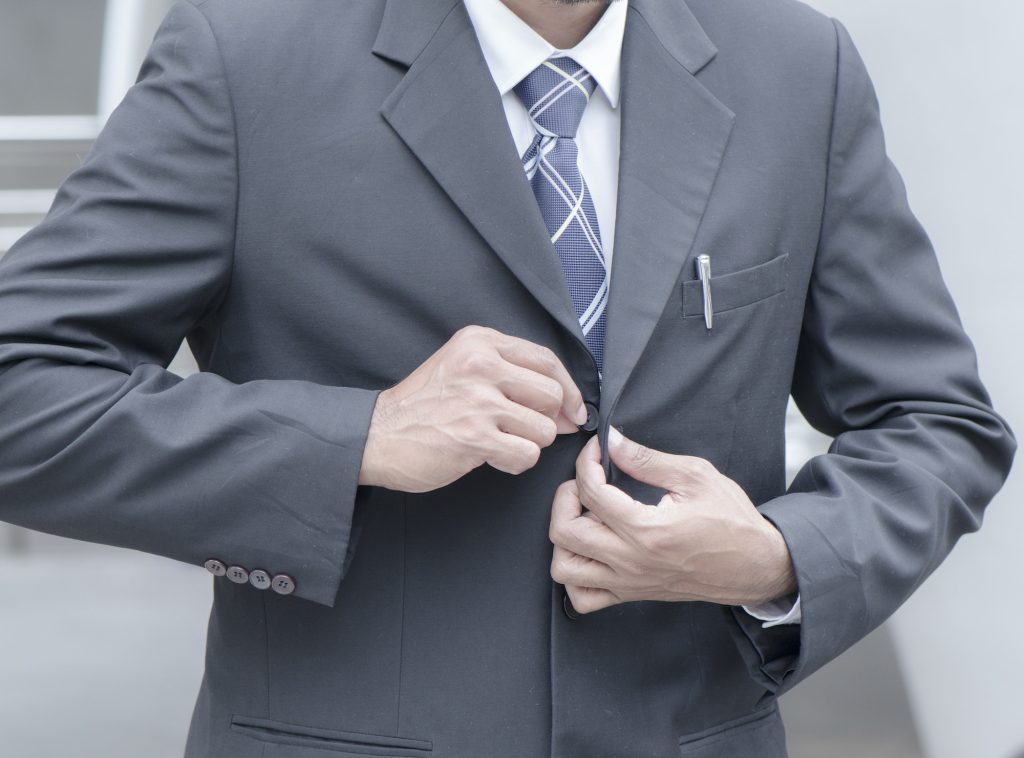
(343, 743)
(758, 734)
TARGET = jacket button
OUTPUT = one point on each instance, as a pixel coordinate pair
(215, 567)
(592, 422)
(571, 613)
(238, 574)
(259, 579)
(283, 584)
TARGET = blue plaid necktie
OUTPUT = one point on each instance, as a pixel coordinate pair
(555, 94)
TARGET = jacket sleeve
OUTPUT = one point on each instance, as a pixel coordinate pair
(884, 367)
(98, 441)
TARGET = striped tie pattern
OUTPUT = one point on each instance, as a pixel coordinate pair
(555, 94)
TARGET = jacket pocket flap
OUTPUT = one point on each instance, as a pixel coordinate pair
(735, 290)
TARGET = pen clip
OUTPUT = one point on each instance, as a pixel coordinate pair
(703, 264)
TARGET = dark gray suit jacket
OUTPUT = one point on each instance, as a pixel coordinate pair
(318, 194)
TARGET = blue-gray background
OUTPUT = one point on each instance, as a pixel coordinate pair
(101, 649)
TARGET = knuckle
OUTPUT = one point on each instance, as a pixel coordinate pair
(642, 456)
(514, 468)
(466, 333)
(479, 362)
(548, 360)
(586, 492)
(566, 489)
(707, 468)
(530, 455)
(583, 603)
(560, 570)
(556, 534)
(553, 391)
(700, 467)
(547, 431)
(475, 330)
(569, 539)
(524, 457)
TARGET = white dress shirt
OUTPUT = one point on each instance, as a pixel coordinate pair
(512, 49)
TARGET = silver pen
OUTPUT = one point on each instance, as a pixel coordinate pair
(704, 274)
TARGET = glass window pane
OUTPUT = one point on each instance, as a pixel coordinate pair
(50, 56)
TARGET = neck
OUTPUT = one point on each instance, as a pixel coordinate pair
(563, 23)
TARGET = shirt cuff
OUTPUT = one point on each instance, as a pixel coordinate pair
(785, 610)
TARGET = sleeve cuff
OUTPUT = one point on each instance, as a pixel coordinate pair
(785, 610)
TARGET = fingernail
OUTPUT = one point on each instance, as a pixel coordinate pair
(581, 415)
(614, 437)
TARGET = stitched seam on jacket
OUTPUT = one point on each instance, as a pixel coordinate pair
(266, 656)
(401, 628)
(825, 402)
(216, 305)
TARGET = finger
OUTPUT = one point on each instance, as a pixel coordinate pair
(582, 533)
(589, 599)
(569, 568)
(611, 505)
(589, 461)
(565, 506)
(520, 421)
(512, 454)
(592, 539)
(565, 424)
(536, 392)
(591, 452)
(544, 361)
(591, 455)
(645, 464)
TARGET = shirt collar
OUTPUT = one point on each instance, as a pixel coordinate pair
(512, 49)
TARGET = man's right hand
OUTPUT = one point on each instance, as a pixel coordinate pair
(483, 397)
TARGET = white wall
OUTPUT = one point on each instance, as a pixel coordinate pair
(950, 78)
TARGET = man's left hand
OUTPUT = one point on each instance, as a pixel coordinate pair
(704, 540)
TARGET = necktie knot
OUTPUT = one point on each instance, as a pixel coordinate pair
(555, 94)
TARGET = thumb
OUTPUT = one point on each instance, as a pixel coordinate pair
(642, 463)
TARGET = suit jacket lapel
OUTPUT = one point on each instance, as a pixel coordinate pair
(449, 113)
(674, 134)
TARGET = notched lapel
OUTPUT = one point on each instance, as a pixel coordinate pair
(449, 113)
(674, 135)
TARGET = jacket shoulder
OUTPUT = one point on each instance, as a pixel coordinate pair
(769, 29)
(242, 26)
(773, 55)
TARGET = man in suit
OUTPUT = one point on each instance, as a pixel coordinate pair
(477, 442)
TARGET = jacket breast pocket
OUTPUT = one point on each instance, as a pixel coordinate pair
(738, 289)
(758, 734)
(295, 741)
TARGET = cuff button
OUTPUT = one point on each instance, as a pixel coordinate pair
(283, 584)
(238, 575)
(215, 567)
(259, 579)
